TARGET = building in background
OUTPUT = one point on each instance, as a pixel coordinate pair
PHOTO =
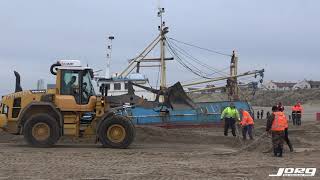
(269, 85)
(281, 86)
(314, 84)
(302, 85)
(40, 84)
(284, 85)
(305, 84)
(278, 86)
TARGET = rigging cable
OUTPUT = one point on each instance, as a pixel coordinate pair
(199, 78)
(186, 54)
(194, 69)
(179, 60)
(209, 50)
(186, 61)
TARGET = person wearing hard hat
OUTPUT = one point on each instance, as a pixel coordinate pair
(276, 124)
(230, 114)
(246, 124)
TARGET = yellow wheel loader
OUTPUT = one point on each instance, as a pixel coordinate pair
(71, 108)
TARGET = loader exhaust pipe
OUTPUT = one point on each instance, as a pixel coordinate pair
(18, 85)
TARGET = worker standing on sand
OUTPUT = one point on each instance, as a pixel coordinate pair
(246, 124)
(268, 114)
(286, 134)
(277, 123)
(258, 115)
(299, 114)
(294, 114)
(230, 114)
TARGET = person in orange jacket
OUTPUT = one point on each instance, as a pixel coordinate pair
(296, 114)
(276, 124)
(246, 124)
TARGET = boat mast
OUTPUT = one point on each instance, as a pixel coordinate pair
(163, 30)
(233, 80)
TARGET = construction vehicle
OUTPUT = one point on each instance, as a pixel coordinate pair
(70, 109)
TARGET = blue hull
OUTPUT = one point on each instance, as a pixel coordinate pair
(207, 114)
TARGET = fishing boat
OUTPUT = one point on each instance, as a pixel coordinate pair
(130, 94)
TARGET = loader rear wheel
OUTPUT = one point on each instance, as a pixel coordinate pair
(41, 130)
(116, 132)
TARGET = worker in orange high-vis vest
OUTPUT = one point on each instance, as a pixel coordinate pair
(277, 123)
(296, 114)
(246, 124)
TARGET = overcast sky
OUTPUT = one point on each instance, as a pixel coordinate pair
(281, 36)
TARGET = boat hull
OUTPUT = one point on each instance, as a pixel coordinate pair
(206, 115)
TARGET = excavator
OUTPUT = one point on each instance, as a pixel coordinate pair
(70, 109)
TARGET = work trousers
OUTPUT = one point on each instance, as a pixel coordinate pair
(229, 123)
(247, 129)
(298, 120)
(294, 117)
(277, 142)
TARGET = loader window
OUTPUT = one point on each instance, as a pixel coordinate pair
(16, 107)
(87, 88)
(5, 109)
(70, 84)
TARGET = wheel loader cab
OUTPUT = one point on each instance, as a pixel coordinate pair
(74, 89)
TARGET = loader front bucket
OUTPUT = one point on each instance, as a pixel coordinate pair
(178, 99)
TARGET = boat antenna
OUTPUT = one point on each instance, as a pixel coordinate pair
(109, 51)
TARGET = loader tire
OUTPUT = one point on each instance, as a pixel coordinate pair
(41, 130)
(116, 132)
